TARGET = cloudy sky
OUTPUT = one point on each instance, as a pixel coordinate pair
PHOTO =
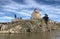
(24, 9)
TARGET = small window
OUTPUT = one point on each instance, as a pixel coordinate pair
(40, 25)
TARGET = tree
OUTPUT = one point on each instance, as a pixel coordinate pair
(46, 18)
(15, 16)
(20, 17)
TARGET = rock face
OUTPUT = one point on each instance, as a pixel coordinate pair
(19, 25)
(35, 15)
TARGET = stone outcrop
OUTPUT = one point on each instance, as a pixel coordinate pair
(36, 24)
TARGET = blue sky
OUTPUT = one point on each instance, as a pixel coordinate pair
(24, 9)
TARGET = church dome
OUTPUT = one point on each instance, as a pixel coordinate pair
(35, 15)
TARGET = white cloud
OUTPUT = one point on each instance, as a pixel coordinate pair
(6, 17)
(23, 13)
(53, 0)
